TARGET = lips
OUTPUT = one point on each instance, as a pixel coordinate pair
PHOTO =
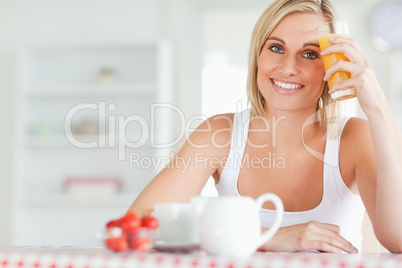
(285, 87)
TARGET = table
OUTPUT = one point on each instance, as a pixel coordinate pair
(97, 257)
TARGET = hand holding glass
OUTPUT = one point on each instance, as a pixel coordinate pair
(331, 30)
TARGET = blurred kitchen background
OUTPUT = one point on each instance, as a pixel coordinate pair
(99, 65)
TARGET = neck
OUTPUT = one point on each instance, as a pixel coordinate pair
(288, 128)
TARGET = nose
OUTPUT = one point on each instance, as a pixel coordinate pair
(288, 67)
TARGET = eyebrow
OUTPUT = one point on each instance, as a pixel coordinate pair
(314, 44)
(311, 43)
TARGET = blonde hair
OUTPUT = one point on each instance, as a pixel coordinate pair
(263, 28)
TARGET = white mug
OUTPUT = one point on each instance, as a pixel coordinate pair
(230, 226)
(177, 223)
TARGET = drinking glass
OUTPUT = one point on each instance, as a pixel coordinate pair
(338, 28)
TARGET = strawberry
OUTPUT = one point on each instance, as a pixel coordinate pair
(140, 244)
(113, 223)
(130, 223)
(117, 244)
(149, 222)
(116, 240)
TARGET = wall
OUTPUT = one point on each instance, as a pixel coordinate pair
(47, 23)
(25, 23)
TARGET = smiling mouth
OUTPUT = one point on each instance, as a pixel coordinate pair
(286, 88)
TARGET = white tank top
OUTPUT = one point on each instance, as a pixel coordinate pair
(338, 205)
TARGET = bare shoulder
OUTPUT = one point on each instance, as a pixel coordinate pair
(356, 139)
(356, 131)
(221, 129)
(213, 134)
(220, 121)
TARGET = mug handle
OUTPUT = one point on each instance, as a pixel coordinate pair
(279, 215)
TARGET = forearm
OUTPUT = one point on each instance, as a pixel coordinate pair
(166, 187)
(387, 142)
(308, 236)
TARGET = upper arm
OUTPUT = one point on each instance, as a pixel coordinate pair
(362, 156)
(187, 173)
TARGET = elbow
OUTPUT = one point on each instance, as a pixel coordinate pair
(389, 234)
(396, 248)
(393, 243)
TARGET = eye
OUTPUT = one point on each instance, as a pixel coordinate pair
(310, 55)
(276, 49)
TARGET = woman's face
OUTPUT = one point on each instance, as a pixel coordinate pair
(290, 68)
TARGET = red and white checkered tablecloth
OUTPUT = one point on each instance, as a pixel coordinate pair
(85, 257)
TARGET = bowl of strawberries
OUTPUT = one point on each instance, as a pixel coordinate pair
(130, 232)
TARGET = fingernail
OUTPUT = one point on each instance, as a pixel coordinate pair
(353, 250)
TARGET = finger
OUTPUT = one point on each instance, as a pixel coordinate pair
(341, 65)
(342, 39)
(354, 82)
(351, 52)
(333, 240)
(319, 245)
(324, 247)
(352, 42)
(329, 234)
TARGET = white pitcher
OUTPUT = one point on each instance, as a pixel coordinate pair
(230, 226)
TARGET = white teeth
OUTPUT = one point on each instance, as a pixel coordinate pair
(286, 86)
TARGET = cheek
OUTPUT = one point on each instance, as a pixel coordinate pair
(262, 71)
(268, 63)
(265, 68)
(317, 73)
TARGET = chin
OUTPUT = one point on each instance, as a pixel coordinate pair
(290, 104)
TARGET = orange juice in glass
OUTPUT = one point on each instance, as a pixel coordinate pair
(326, 31)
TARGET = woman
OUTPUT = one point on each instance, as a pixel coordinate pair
(293, 142)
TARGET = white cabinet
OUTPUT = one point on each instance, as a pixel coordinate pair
(88, 118)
